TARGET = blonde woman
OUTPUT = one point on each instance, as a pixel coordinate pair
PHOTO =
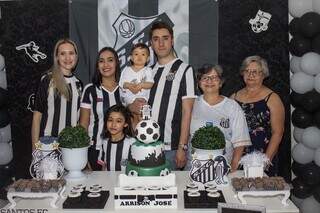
(57, 100)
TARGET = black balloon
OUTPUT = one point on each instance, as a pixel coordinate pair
(311, 174)
(316, 118)
(3, 97)
(311, 101)
(301, 118)
(316, 193)
(4, 117)
(316, 44)
(294, 26)
(6, 173)
(297, 168)
(296, 99)
(299, 45)
(310, 24)
(300, 189)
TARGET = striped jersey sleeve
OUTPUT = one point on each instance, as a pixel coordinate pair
(40, 103)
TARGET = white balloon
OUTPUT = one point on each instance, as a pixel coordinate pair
(301, 82)
(297, 134)
(299, 7)
(309, 205)
(3, 80)
(317, 157)
(311, 137)
(310, 63)
(302, 154)
(2, 64)
(295, 64)
(316, 6)
(5, 134)
(6, 154)
(317, 83)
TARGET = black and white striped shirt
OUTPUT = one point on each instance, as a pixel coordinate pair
(57, 112)
(166, 100)
(98, 100)
(115, 154)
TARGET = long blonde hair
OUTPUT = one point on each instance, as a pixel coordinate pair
(58, 82)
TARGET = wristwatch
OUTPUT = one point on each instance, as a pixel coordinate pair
(184, 147)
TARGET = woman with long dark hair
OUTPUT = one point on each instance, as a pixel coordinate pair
(97, 97)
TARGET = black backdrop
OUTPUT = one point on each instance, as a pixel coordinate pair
(44, 22)
(237, 41)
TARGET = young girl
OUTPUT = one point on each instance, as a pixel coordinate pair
(57, 100)
(136, 80)
(117, 139)
(97, 97)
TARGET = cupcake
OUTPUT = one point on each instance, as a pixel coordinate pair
(55, 185)
(61, 182)
(35, 186)
(29, 185)
(45, 185)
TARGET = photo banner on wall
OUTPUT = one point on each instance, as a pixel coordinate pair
(120, 24)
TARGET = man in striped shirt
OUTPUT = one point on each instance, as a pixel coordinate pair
(171, 96)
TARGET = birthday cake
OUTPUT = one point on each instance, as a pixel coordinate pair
(148, 182)
(146, 155)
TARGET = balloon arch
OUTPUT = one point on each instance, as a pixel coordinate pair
(6, 153)
(305, 98)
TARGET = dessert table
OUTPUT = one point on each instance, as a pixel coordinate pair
(109, 179)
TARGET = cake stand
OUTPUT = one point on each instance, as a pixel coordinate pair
(53, 195)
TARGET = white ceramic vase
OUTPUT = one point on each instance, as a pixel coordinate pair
(205, 154)
(74, 160)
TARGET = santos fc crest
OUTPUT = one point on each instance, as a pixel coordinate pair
(130, 30)
(205, 171)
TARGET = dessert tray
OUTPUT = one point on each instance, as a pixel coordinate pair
(32, 188)
(261, 187)
(202, 197)
(90, 197)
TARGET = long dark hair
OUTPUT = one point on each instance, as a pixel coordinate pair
(97, 78)
(128, 131)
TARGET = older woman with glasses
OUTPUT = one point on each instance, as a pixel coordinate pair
(263, 109)
(211, 108)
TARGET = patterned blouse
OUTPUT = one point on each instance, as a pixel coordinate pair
(258, 120)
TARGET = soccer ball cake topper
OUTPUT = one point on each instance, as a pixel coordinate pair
(147, 131)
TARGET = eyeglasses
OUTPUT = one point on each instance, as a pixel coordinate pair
(210, 77)
(252, 72)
